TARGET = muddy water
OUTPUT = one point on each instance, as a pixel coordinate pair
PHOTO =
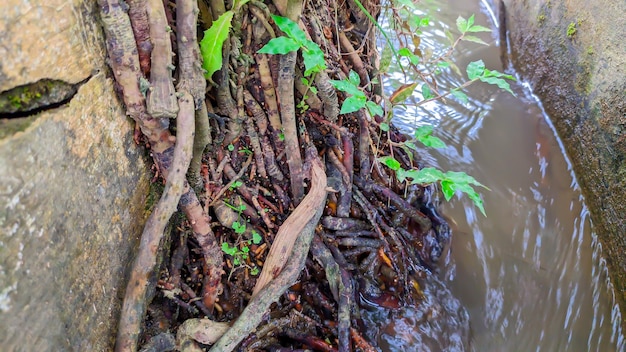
(530, 274)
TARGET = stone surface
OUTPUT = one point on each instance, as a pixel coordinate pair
(572, 52)
(35, 37)
(72, 186)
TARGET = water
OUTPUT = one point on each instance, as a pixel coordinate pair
(530, 274)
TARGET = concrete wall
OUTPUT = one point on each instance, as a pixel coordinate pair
(573, 53)
(72, 181)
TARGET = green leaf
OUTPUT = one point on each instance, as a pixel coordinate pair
(423, 131)
(226, 248)
(474, 196)
(402, 93)
(423, 134)
(384, 127)
(478, 28)
(449, 36)
(426, 92)
(304, 81)
(459, 181)
(354, 78)
(426, 175)
(236, 184)
(448, 188)
(401, 175)
(433, 142)
(475, 69)
(390, 162)
(347, 86)
(411, 145)
(313, 58)
(230, 147)
(256, 238)
(238, 227)
(279, 46)
(254, 271)
(462, 178)
(374, 108)
(405, 52)
(461, 24)
(353, 103)
(460, 96)
(290, 28)
(470, 22)
(212, 42)
(474, 39)
(494, 73)
(498, 82)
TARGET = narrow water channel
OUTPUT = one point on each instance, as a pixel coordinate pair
(530, 274)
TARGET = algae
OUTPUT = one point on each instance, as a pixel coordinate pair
(29, 97)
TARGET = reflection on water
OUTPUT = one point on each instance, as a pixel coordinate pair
(530, 274)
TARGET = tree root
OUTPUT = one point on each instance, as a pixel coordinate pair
(374, 239)
(143, 276)
(270, 286)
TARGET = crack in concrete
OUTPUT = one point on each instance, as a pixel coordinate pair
(33, 98)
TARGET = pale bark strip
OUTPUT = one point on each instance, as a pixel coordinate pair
(292, 227)
(285, 90)
(189, 62)
(191, 79)
(301, 225)
(141, 29)
(271, 104)
(161, 94)
(143, 275)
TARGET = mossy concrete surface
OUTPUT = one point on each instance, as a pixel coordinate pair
(72, 185)
(573, 54)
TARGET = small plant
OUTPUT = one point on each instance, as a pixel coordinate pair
(213, 40)
(357, 99)
(240, 251)
(302, 105)
(450, 181)
(235, 185)
(295, 39)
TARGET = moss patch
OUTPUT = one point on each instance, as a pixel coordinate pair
(33, 96)
(571, 29)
